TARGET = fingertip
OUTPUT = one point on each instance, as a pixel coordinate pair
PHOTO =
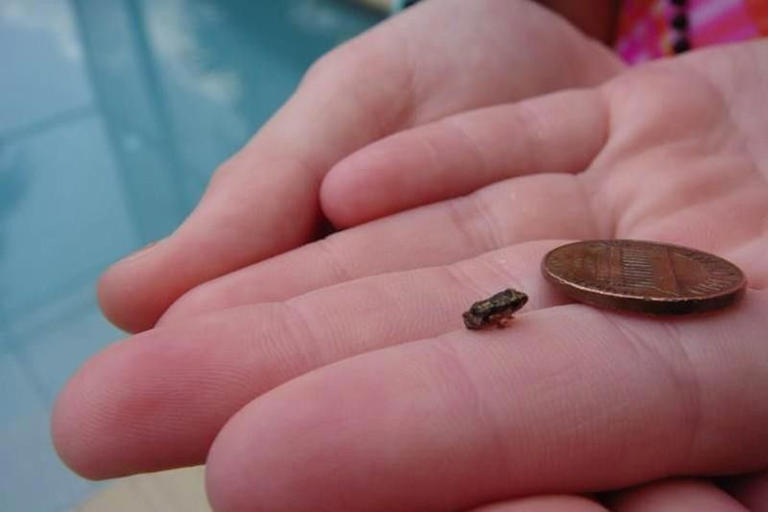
(346, 196)
(134, 292)
(282, 450)
(243, 218)
(64, 442)
(113, 296)
(239, 468)
(71, 421)
(371, 183)
(128, 292)
(333, 439)
(222, 490)
(134, 407)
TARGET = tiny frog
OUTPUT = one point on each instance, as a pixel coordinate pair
(495, 311)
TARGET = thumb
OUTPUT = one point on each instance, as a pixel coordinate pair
(262, 201)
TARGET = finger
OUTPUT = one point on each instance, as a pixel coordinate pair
(561, 132)
(546, 504)
(497, 216)
(264, 200)
(569, 400)
(676, 496)
(751, 491)
(158, 400)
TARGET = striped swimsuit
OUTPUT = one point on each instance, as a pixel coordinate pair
(649, 29)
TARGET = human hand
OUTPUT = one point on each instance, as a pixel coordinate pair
(437, 59)
(386, 403)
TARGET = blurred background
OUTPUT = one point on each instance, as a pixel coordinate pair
(113, 114)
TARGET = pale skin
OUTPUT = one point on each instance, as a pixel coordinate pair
(338, 376)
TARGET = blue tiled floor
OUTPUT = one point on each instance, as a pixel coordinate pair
(112, 116)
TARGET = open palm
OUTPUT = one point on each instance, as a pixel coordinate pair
(341, 374)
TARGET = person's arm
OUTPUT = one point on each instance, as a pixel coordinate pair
(596, 18)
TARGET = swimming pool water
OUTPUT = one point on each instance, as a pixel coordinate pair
(113, 113)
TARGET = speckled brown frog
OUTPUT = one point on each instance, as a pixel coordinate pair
(495, 311)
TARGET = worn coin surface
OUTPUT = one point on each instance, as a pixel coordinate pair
(646, 277)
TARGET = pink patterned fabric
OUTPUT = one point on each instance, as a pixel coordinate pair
(646, 31)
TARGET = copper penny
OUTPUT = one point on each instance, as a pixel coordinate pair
(647, 277)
